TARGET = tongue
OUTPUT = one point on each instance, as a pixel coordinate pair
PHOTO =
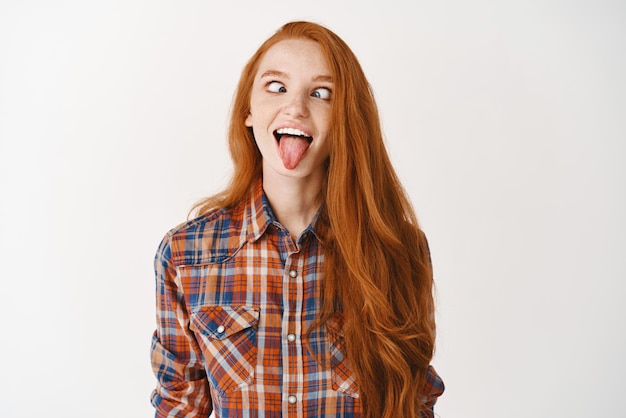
(292, 149)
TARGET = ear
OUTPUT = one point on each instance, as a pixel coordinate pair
(249, 120)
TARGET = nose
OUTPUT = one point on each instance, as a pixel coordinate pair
(296, 106)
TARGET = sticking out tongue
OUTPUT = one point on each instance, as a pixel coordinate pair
(292, 149)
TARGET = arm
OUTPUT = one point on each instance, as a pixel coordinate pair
(433, 388)
(182, 388)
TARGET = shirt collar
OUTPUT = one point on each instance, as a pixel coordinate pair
(259, 215)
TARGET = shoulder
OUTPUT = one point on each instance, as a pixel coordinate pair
(209, 238)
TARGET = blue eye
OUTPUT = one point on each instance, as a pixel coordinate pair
(321, 93)
(276, 87)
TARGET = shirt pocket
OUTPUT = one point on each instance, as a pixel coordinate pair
(343, 379)
(228, 335)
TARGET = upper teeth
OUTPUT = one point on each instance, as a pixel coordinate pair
(291, 131)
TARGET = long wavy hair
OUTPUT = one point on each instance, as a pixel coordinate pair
(377, 273)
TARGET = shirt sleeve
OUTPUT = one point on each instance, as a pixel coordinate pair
(182, 387)
(433, 389)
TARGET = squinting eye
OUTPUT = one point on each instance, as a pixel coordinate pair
(276, 87)
(321, 93)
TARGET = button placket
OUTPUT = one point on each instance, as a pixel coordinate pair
(293, 304)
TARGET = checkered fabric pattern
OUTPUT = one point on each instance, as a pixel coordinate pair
(235, 299)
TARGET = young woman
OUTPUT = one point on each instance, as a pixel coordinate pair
(305, 288)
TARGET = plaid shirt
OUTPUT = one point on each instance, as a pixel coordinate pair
(235, 298)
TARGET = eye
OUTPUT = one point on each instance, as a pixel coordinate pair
(321, 93)
(276, 87)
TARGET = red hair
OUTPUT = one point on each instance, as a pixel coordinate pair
(377, 273)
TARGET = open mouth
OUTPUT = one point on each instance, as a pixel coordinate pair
(292, 145)
(279, 133)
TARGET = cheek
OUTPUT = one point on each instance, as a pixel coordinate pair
(259, 114)
(262, 138)
(325, 119)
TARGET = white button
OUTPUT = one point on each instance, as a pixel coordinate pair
(293, 274)
(220, 329)
(291, 337)
(292, 399)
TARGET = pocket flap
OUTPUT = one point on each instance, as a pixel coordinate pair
(220, 322)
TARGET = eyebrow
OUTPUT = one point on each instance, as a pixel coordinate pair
(275, 73)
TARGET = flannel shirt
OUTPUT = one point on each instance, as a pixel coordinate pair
(235, 299)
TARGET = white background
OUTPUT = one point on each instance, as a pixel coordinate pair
(505, 121)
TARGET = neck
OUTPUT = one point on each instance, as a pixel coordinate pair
(294, 201)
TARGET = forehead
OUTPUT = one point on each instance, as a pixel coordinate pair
(295, 54)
